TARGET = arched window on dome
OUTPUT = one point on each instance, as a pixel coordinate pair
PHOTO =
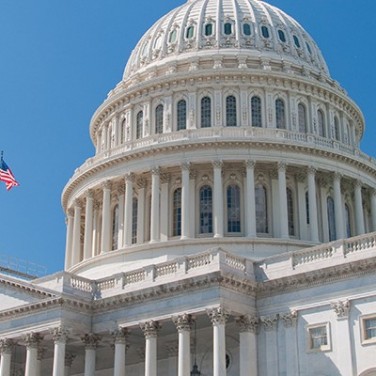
(176, 212)
(115, 227)
(321, 123)
(227, 28)
(309, 48)
(307, 207)
(247, 30)
(206, 210)
(331, 219)
(172, 36)
(206, 121)
(282, 36)
(181, 115)
(296, 41)
(290, 212)
(337, 134)
(233, 209)
(159, 119)
(134, 220)
(208, 29)
(256, 112)
(302, 118)
(261, 202)
(139, 124)
(348, 221)
(265, 32)
(231, 111)
(280, 114)
(190, 32)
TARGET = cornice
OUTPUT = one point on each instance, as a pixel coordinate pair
(26, 288)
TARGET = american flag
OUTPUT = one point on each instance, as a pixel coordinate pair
(7, 176)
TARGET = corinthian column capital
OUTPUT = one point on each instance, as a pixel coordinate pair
(218, 316)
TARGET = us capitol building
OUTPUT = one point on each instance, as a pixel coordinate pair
(225, 224)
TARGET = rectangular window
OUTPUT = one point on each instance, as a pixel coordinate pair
(318, 337)
(368, 327)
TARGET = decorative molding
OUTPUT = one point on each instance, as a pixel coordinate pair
(150, 328)
(90, 340)
(269, 322)
(59, 334)
(33, 340)
(120, 335)
(183, 322)
(69, 358)
(6, 346)
(289, 319)
(248, 323)
(341, 309)
(217, 316)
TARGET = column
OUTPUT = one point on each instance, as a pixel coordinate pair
(76, 238)
(218, 199)
(129, 179)
(6, 348)
(313, 218)
(90, 341)
(289, 320)
(185, 201)
(59, 336)
(172, 352)
(32, 341)
(40, 355)
(192, 200)
(218, 318)
(373, 208)
(155, 205)
(120, 337)
(270, 328)
(69, 358)
(120, 194)
(183, 325)
(345, 363)
(150, 330)
(141, 185)
(88, 236)
(338, 206)
(324, 209)
(359, 215)
(284, 230)
(69, 237)
(96, 229)
(250, 199)
(106, 218)
(248, 345)
(165, 179)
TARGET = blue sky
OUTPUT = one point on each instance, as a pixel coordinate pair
(58, 61)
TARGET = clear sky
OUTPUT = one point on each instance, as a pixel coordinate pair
(58, 61)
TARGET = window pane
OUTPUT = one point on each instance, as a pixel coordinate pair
(206, 210)
(320, 118)
(172, 38)
(115, 227)
(228, 28)
(256, 112)
(139, 124)
(309, 48)
(318, 337)
(233, 208)
(208, 29)
(280, 114)
(182, 114)
(265, 31)
(159, 119)
(336, 129)
(231, 111)
(176, 225)
(205, 112)
(331, 219)
(190, 32)
(134, 220)
(348, 221)
(290, 212)
(296, 41)
(282, 36)
(247, 29)
(307, 208)
(261, 209)
(370, 328)
(302, 118)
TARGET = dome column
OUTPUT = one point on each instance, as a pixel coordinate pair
(313, 218)
(359, 215)
(283, 215)
(150, 330)
(185, 204)
(373, 209)
(106, 218)
(68, 242)
(250, 199)
(6, 348)
(88, 237)
(218, 199)
(120, 194)
(338, 206)
(129, 179)
(165, 178)
(183, 325)
(76, 238)
(141, 185)
(155, 205)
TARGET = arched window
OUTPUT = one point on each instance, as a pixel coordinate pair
(206, 210)
(181, 115)
(208, 29)
(231, 111)
(247, 31)
(261, 209)
(348, 221)
(233, 208)
(321, 123)
(159, 119)
(265, 32)
(296, 41)
(172, 36)
(176, 213)
(337, 134)
(228, 28)
(280, 114)
(139, 124)
(331, 219)
(290, 212)
(190, 32)
(307, 207)
(115, 227)
(256, 112)
(205, 112)
(302, 118)
(134, 220)
(282, 36)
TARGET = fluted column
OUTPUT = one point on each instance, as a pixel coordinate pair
(106, 218)
(69, 358)
(76, 239)
(120, 237)
(338, 206)
(6, 349)
(289, 320)
(150, 330)
(183, 325)
(155, 205)
(90, 341)
(373, 209)
(88, 237)
(32, 341)
(359, 215)
(218, 318)
(120, 337)
(141, 185)
(248, 345)
(164, 207)
(313, 217)
(129, 179)
(40, 355)
(218, 199)
(283, 215)
(270, 328)
(69, 239)
(59, 336)
(185, 201)
(250, 200)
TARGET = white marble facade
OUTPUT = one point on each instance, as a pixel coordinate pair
(227, 218)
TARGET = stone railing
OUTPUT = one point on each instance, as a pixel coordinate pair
(312, 255)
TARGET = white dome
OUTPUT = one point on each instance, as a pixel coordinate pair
(251, 29)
